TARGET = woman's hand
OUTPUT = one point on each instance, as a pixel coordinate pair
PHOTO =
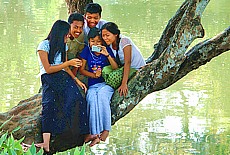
(123, 90)
(104, 51)
(75, 62)
(81, 84)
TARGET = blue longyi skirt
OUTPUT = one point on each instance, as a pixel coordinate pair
(64, 108)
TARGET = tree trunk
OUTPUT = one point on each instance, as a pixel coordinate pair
(168, 63)
(77, 5)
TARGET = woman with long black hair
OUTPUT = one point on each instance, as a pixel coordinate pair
(63, 107)
(126, 52)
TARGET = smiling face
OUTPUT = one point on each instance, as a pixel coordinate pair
(92, 19)
(76, 28)
(109, 37)
(95, 41)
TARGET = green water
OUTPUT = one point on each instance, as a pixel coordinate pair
(190, 117)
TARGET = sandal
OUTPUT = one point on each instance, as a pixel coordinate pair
(25, 147)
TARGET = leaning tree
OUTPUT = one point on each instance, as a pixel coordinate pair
(169, 62)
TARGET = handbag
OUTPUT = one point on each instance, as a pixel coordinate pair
(114, 77)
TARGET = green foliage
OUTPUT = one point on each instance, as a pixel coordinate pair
(74, 151)
(11, 146)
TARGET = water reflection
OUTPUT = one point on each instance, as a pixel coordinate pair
(176, 126)
(190, 117)
(23, 24)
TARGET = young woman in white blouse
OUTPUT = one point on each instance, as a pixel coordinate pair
(126, 52)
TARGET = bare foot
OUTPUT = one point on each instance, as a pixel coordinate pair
(94, 142)
(44, 146)
(89, 137)
(104, 135)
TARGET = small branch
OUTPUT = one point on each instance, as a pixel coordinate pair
(203, 52)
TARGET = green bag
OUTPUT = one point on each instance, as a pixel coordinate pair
(114, 77)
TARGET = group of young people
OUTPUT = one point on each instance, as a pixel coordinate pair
(83, 46)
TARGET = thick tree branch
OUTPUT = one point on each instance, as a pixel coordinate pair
(144, 82)
(156, 75)
(77, 5)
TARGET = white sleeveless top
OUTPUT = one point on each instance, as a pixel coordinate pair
(137, 60)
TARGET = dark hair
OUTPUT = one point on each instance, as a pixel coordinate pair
(93, 8)
(56, 40)
(75, 17)
(93, 32)
(113, 28)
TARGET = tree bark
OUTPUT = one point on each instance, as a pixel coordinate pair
(168, 63)
(77, 5)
